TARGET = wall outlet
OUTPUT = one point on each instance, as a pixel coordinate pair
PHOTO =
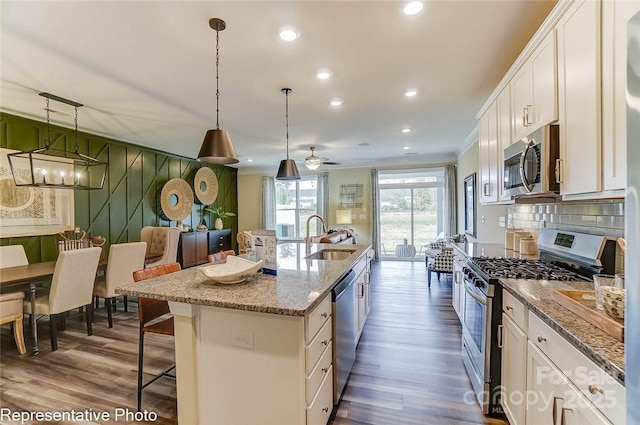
(483, 219)
(501, 221)
(243, 340)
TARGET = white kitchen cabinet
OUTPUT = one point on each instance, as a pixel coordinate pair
(458, 284)
(514, 359)
(579, 97)
(488, 155)
(547, 386)
(280, 365)
(362, 301)
(615, 15)
(534, 90)
(503, 113)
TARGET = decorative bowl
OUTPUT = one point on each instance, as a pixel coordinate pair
(235, 270)
(613, 301)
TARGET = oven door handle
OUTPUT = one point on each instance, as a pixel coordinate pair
(523, 176)
(476, 297)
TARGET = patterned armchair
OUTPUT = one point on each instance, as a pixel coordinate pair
(439, 259)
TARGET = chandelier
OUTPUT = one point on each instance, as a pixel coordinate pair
(57, 168)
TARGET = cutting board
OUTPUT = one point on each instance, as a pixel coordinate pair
(583, 303)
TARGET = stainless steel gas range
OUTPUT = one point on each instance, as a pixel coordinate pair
(564, 255)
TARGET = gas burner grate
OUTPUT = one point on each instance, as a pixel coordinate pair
(517, 268)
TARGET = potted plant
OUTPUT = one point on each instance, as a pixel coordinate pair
(221, 213)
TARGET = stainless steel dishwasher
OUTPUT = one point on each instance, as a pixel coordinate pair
(344, 332)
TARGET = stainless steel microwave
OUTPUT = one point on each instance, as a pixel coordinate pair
(530, 164)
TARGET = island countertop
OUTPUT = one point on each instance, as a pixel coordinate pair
(299, 286)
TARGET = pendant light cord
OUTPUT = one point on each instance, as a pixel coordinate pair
(48, 142)
(75, 138)
(287, 120)
(217, 78)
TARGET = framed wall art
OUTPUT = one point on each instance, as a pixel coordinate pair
(31, 211)
(470, 221)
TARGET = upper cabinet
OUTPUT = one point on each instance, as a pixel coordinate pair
(579, 98)
(534, 90)
(615, 15)
(488, 154)
(573, 72)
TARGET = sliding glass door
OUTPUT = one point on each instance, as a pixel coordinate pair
(410, 206)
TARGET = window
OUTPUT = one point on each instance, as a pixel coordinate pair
(295, 202)
(411, 208)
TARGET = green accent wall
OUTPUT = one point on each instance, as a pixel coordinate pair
(127, 202)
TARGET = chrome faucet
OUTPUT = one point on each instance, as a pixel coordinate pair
(307, 239)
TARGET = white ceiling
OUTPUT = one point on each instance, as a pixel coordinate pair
(145, 72)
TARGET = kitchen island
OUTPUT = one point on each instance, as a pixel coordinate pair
(258, 351)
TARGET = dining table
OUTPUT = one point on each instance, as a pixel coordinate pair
(30, 275)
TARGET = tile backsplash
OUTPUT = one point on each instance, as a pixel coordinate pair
(605, 217)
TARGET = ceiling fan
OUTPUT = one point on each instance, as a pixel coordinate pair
(312, 162)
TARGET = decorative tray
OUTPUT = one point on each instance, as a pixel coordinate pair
(583, 303)
(235, 270)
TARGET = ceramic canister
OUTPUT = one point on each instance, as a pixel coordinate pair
(508, 237)
(528, 246)
(516, 238)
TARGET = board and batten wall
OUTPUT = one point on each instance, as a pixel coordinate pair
(127, 202)
(250, 201)
(488, 216)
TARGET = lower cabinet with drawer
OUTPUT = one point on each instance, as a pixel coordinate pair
(266, 369)
(546, 380)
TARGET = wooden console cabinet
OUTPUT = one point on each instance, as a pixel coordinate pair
(195, 247)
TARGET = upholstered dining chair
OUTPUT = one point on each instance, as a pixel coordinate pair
(11, 312)
(12, 256)
(71, 287)
(150, 314)
(162, 244)
(124, 259)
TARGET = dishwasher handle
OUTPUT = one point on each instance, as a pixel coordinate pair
(340, 288)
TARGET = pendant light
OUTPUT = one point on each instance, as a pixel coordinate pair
(288, 169)
(217, 147)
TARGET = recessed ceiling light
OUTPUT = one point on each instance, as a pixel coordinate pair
(411, 92)
(288, 34)
(249, 160)
(363, 144)
(406, 148)
(336, 102)
(412, 8)
(323, 74)
(406, 130)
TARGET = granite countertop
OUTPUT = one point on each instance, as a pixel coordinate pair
(600, 347)
(298, 287)
(604, 350)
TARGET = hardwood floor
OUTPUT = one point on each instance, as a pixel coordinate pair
(408, 368)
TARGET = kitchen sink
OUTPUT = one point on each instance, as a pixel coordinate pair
(331, 254)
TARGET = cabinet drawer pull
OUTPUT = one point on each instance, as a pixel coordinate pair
(558, 170)
(528, 108)
(541, 338)
(594, 390)
(325, 409)
(324, 315)
(524, 117)
(325, 342)
(325, 369)
(554, 410)
(509, 308)
(562, 415)
(500, 332)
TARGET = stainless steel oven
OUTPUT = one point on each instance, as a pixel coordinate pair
(479, 326)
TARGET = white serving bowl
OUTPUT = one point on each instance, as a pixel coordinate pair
(235, 270)
(613, 301)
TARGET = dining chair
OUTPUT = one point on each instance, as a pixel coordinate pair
(124, 259)
(220, 256)
(162, 244)
(150, 312)
(71, 287)
(11, 312)
(12, 256)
